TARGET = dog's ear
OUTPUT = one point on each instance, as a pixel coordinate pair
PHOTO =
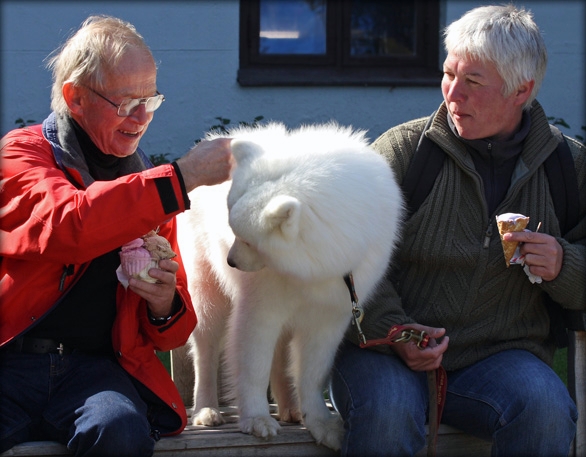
(245, 151)
(283, 212)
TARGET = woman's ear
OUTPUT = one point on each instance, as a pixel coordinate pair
(524, 92)
(72, 96)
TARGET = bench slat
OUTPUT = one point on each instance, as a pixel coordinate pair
(226, 440)
(38, 448)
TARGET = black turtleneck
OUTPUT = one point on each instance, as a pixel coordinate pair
(102, 167)
(84, 318)
(495, 161)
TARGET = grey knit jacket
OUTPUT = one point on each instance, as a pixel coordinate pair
(449, 271)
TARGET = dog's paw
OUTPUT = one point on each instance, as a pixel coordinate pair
(329, 432)
(290, 415)
(261, 426)
(208, 416)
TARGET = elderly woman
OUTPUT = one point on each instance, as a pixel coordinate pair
(77, 355)
(488, 324)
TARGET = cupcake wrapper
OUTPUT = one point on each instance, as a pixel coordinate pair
(144, 273)
(138, 267)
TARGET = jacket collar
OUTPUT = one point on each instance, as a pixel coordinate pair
(538, 144)
(60, 133)
(499, 151)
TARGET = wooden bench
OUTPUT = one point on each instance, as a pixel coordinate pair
(294, 440)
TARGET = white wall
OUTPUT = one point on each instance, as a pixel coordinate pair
(196, 45)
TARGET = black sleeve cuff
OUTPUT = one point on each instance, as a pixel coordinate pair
(177, 304)
(186, 201)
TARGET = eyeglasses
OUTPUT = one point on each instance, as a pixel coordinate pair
(130, 105)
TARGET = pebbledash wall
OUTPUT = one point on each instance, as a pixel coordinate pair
(196, 45)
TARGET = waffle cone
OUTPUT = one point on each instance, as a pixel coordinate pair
(507, 223)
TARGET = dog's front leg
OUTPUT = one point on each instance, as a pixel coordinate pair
(314, 346)
(253, 333)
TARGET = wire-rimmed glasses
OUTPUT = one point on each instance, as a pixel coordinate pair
(129, 105)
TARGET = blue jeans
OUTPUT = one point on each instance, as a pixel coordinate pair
(512, 399)
(87, 402)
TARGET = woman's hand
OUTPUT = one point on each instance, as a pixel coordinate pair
(543, 254)
(426, 359)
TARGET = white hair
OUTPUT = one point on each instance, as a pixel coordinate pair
(505, 36)
(89, 54)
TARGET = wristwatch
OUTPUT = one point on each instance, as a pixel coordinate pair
(177, 303)
(159, 320)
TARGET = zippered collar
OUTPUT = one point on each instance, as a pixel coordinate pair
(537, 146)
(60, 133)
(497, 151)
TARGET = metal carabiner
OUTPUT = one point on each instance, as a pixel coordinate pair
(420, 338)
(357, 316)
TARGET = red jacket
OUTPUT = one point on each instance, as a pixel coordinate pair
(49, 222)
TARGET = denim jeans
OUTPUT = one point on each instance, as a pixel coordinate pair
(87, 402)
(512, 399)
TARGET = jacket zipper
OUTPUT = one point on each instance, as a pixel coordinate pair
(487, 236)
(68, 270)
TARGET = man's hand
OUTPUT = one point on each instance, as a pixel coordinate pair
(426, 359)
(206, 164)
(159, 296)
(543, 254)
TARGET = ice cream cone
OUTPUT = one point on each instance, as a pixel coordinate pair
(506, 223)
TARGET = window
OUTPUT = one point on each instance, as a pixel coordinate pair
(339, 42)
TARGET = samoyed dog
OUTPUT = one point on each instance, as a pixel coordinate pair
(266, 255)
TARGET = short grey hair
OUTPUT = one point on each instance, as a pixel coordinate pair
(90, 53)
(505, 36)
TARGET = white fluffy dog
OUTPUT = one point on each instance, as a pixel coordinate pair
(266, 255)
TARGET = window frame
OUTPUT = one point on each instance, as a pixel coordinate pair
(337, 67)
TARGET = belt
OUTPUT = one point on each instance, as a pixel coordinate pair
(29, 345)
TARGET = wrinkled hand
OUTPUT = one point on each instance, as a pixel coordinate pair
(159, 296)
(426, 359)
(207, 163)
(543, 254)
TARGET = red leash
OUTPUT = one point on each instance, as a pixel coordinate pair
(436, 379)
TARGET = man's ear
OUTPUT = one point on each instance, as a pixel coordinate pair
(72, 96)
(523, 92)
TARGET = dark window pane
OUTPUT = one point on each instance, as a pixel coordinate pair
(339, 42)
(382, 28)
(292, 27)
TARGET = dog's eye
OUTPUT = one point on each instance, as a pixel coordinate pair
(244, 242)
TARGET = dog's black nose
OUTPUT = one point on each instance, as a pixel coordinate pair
(231, 262)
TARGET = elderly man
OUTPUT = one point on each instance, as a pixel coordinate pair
(77, 355)
(488, 324)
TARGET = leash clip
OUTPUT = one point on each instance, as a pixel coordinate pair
(421, 339)
(357, 316)
(357, 311)
(400, 334)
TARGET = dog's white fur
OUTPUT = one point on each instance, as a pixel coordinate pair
(304, 208)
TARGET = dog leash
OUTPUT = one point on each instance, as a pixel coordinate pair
(436, 379)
